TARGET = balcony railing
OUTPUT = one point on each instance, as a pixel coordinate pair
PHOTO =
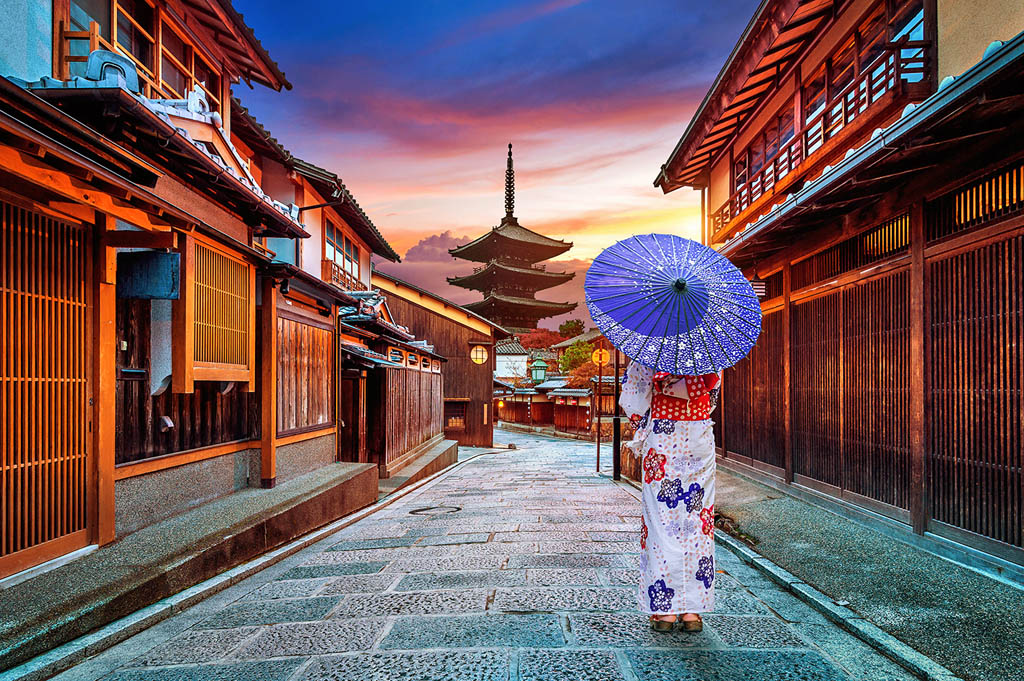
(903, 69)
(334, 273)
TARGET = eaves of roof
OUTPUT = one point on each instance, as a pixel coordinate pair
(952, 92)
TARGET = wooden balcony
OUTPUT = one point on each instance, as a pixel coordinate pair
(901, 74)
(334, 273)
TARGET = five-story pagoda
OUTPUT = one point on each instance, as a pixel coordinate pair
(510, 275)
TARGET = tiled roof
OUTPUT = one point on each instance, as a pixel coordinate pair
(509, 230)
(584, 337)
(514, 300)
(509, 346)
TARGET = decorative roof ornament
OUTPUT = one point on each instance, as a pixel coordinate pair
(510, 185)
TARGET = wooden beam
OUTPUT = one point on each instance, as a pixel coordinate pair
(183, 323)
(28, 168)
(104, 380)
(125, 238)
(787, 370)
(918, 379)
(268, 375)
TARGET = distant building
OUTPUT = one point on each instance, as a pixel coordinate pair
(511, 360)
(510, 275)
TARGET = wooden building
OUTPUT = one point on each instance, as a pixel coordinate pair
(170, 279)
(466, 340)
(510, 275)
(863, 159)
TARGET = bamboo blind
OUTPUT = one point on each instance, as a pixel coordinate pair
(44, 303)
(222, 308)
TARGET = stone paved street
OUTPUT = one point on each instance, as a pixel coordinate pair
(518, 565)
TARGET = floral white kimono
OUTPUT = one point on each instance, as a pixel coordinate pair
(677, 449)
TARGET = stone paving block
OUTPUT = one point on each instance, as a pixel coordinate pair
(462, 580)
(736, 602)
(578, 665)
(732, 665)
(195, 646)
(313, 638)
(358, 584)
(444, 564)
(385, 543)
(587, 547)
(557, 535)
(475, 631)
(632, 630)
(285, 588)
(376, 530)
(563, 561)
(468, 538)
(559, 577)
(724, 581)
(269, 670)
(630, 536)
(356, 556)
(307, 571)
(271, 612)
(412, 603)
(564, 599)
(625, 577)
(484, 549)
(753, 632)
(787, 606)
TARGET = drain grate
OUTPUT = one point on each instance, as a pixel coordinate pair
(435, 510)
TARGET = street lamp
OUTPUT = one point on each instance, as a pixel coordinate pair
(538, 370)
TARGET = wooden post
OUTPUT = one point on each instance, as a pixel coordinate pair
(918, 362)
(617, 424)
(105, 379)
(183, 312)
(787, 370)
(268, 380)
(597, 401)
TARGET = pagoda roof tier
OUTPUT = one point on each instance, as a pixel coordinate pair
(500, 305)
(495, 274)
(510, 239)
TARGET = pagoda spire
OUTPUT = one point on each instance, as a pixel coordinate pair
(510, 185)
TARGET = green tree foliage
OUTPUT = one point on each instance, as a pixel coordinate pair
(575, 355)
(571, 328)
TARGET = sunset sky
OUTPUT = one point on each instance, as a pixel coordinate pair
(414, 103)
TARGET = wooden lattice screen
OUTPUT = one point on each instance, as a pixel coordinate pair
(997, 195)
(222, 308)
(44, 387)
(888, 239)
(976, 374)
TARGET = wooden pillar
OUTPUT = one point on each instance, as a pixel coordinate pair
(363, 452)
(917, 363)
(183, 311)
(787, 370)
(268, 381)
(104, 380)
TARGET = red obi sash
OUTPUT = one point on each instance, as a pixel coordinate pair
(667, 402)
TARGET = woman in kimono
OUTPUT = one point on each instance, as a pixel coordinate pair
(674, 440)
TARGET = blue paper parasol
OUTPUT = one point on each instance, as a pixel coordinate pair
(673, 304)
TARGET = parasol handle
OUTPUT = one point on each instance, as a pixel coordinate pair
(680, 285)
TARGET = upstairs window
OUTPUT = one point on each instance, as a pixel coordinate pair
(342, 250)
(182, 68)
(135, 30)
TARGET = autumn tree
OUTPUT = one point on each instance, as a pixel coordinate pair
(571, 328)
(576, 354)
(540, 338)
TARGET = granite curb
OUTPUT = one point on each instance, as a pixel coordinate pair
(887, 644)
(71, 653)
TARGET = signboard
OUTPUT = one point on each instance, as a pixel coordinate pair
(600, 357)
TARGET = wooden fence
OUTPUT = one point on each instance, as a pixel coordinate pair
(305, 375)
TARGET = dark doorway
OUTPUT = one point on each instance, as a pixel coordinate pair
(348, 418)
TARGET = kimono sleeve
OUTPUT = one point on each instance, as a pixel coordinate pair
(635, 398)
